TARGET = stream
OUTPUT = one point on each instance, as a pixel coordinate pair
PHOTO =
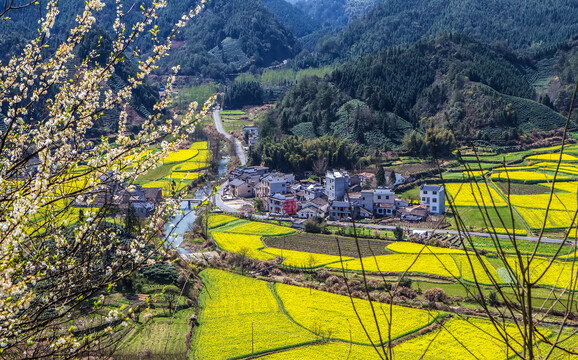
(187, 216)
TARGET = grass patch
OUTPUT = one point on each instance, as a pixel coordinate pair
(160, 335)
(473, 218)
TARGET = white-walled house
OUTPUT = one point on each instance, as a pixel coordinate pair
(434, 197)
(336, 184)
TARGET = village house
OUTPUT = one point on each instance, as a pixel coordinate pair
(433, 197)
(417, 213)
(336, 184)
(341, 210)
(282, 204)
(310, 210)
(239, 188)
(276, 183)
(249, 130)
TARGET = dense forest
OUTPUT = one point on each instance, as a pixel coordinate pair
(448, 82)
(531, 25)
(228, 36)
(299, 22)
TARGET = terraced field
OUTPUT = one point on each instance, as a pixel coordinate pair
(179, 169)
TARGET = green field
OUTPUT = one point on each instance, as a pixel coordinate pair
(160, 335)
(178, 170)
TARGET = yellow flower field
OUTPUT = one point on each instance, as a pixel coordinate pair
(236, 312)
(184, 175)
(188, 154)
(562, 273)
(553, 157)
(527, 176)
(220, 219)
(503, 231)
(241, 244)
(450, 342)
(199, 145)
(166, 184)
(330, 351)
(466, 195)
(442, 264)
(561, 187)
(304, 259)
(200, 161)
(474, 172)
(259, 228)
(333, 314)
(516, 168)
(557, 219)
(414, 248)
(481, 277)
(181, 155)
(564, 198)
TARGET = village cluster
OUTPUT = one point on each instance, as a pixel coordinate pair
(340, 196)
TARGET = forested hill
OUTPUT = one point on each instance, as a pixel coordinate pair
(334, 13)
(378, 99)
(294, 18)
(521, 25)
(229, 36)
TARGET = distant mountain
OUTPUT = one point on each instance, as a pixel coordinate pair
(450, 81)
(295, 19)
(522, 25)
(334, 13)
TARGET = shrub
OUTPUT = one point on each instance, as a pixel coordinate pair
(435, 295)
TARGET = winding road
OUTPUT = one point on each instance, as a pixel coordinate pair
(238, 146)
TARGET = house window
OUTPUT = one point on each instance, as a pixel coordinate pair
(423, 199)
(425, 192)
(387, 198)
(435, 192)
(434, 200)
(379, 197)
(434, 209)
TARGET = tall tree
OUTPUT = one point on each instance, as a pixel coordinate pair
(380, 176)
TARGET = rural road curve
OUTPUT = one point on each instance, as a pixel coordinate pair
(220, 203)
(238, 146)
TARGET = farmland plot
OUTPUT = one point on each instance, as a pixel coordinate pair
(459, 339)
(442, 264)
(334, 316)
(238, 313)
(248, 245)
(304, 259)
(330, 351)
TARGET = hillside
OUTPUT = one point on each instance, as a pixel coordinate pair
(294, 18)
(529, 25)
(231, 36)
(334, 13)
(228, 36)
(377, 99)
